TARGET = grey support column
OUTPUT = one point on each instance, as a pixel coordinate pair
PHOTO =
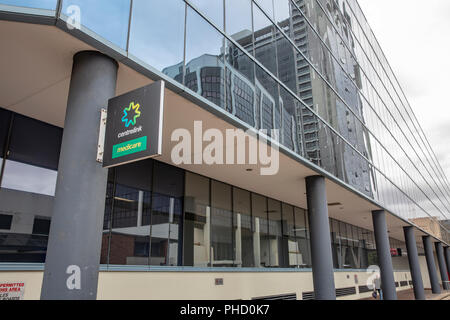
(384, 255)
(414, 265)
(435, 288)
(73, 253)
(447, 258)
(321, 254)
(442, 266)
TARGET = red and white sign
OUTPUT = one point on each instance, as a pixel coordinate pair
(12, 290)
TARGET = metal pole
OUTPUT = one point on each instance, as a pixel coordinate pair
(384, 255)
(435, 288)
(447, 258)
(414, 264)
(442, 267)
(73, 253)
(321, 253)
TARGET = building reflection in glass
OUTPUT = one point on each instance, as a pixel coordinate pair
(227, 77)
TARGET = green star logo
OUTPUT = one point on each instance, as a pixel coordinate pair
(129, 118)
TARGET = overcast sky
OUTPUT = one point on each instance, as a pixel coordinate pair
(415, 37)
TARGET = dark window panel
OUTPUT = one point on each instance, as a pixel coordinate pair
(5, 221)
(41, 226)
(35, 143)
(5, 118)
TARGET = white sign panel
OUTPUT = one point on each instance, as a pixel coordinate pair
(12, 290)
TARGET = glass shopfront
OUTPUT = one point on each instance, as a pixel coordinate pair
(28, 171)
(157, 214)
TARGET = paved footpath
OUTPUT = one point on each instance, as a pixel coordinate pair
(409, 295)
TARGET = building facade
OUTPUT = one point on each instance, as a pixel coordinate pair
(311, 71)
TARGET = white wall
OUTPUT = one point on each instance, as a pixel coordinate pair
(201, 285)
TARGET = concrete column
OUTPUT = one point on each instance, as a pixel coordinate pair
(321, 253)
(73, 253)
(442, 266)
(384, 255)
(447, 258)
(435, 288)
(414, 265)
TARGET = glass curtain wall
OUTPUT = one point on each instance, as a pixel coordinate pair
(352, 247)
(311, 68)
(246, 229)
(29, 155)
(35, 4)
(160, 215)
(110, 19)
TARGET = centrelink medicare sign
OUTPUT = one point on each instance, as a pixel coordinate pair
(134, 126)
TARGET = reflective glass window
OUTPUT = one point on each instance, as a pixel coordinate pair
(28, 178)
(267, 6)
(32, 165)
(222, 233)
(261, 237)
(334, 231)
(28, 186)
(264, 45)
(238, 15)
(282, 12)
(243, 228)
(167, 207)
(276, 252)
(5, 120)
(269, 103)
(37, 4)
(290, 135)
(107, 218)
(197, 221)
(290, 248)
(205, 72)
(240, 84)
(108, 19)
(302, 236)
(157, 35)
(129, 235)
(212, 9)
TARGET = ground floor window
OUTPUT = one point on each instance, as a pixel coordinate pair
(29, 155)
(160, 215)
(143, 215)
